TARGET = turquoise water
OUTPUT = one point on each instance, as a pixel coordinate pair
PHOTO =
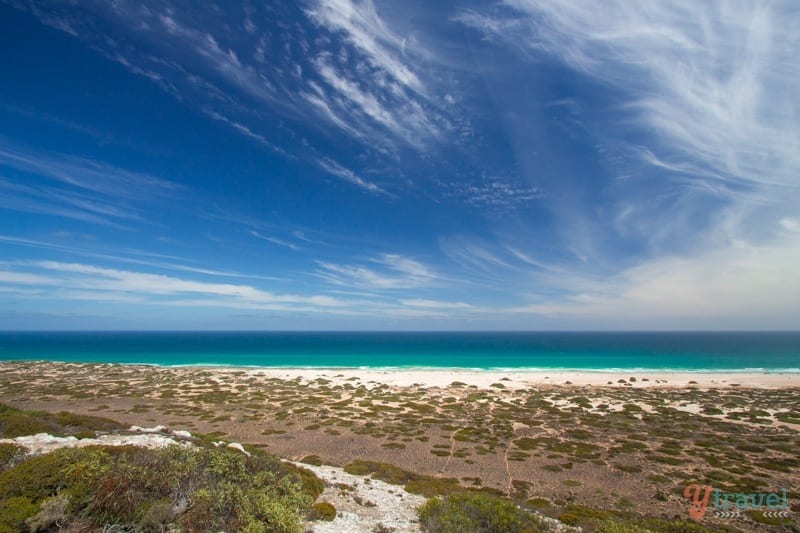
(588, 351)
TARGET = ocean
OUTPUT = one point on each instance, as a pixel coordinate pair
(695, 351)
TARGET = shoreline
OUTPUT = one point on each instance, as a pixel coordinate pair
(520, 379)
(511, 378)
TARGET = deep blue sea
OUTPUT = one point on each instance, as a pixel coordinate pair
(771, 352)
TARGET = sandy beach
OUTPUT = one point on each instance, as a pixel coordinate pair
(520, 379)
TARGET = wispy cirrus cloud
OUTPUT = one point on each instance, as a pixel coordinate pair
(475, 255)
(435, 304)
(90, 279)
(244, 130)
(394, 96)
(334, 168)
(276, 241)
(53, 202)
(386, 271)
(85, 173)
(81, 282)
(64, 185)
(713, 82)
(368, 32)
(185, 52)
(493, 194)
(704, 144)
(170, 263)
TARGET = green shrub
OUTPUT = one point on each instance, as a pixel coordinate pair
(603, 521)
(149, 490)
(14, 512)
(311, 484)
(52, 511)
(16, 423)
(427, 486)
(8, 453)
(313, 460)
(37, 477)
(430, 486)
(475, 512)
(323, 511)
(383, 471)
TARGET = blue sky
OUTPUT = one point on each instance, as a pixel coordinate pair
(342, 164)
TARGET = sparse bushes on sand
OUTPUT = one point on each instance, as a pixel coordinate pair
(603, 521)
(15, 423)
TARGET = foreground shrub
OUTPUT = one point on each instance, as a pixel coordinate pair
(14, 512)
(52, 513)
(475, 512)
(189, 489)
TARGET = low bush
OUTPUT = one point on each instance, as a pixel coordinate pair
(8, 454)
(383, 471)
(13, 513)
(16, 423)
(478, 513)
(323, 511)
(427, 486)
(313, 460)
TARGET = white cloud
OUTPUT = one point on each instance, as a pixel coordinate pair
(368, 32)
(24, 278)
(475, 254)
(435, 304)
(87, 174)
(494, 194)
(62, 281)
(377, 80)
(709, 125)
(716, 82)
(275, 240)
(332, 167)
(742, 284)
(393, 271)
(224, 62)
(79, 188)
(88, 279)
(244, 130)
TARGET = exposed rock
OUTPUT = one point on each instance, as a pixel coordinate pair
(45, 443)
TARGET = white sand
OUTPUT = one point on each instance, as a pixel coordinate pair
(519, 379)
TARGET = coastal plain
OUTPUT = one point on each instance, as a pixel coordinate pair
(559, 442)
